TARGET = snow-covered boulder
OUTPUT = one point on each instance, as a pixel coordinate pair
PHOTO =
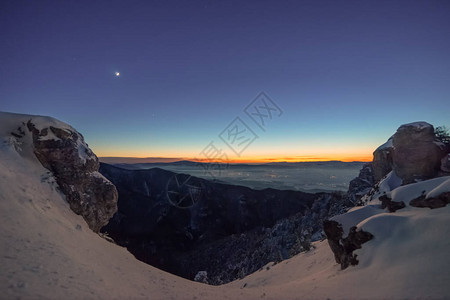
(417, 154)
(63, 151)
(413, 152)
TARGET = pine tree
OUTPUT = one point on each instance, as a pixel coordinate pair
(442, 134)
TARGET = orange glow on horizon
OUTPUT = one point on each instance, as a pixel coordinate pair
(290, 159)
(345, 154)
(256, 160)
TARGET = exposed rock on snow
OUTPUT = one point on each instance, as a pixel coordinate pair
(62, 150)
(431, 202)
(392, 206)
(343, 247)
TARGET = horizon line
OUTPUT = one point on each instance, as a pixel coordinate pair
(159, 159)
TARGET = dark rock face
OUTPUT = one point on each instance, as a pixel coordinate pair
(417, 153)
(392, 206)
(75, 167)
(432, 202)
(228, 231)
(362, 184)
(382, 160)
(334, 232)
(445, 164)
(343, 247)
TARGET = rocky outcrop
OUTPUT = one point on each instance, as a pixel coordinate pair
(75, 167)
(362, 184)
(392, 206)
(431, 202)
(343, 247)
(413, 152)
(417, 153)
(382, 160)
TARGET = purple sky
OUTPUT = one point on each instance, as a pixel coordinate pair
(346, 74)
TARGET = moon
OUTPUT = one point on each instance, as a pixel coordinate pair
(117, 74)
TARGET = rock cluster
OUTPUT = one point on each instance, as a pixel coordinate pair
(75, 167)
(392, 206)
(431, 202)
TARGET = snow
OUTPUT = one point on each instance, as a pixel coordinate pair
(82, 151)
(418, 125)
(386, 145)
(357, 215)
(47, 251)
(441, 188)
(386, 184)
(411, 191)
(50, 136)
(11, 122)
(390, 182)
(408, 257)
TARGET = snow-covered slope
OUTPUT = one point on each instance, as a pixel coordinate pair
(47, 251)
(407, 259)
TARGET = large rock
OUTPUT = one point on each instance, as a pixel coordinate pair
(382, 160)
(75, 167)
(413, 152)
(417, 153)
(445, 164)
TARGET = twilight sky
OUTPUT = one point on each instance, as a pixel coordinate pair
(343, 74)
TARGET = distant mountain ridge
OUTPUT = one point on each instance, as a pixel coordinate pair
(135, 160)
(135, 163)
(308, 177)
